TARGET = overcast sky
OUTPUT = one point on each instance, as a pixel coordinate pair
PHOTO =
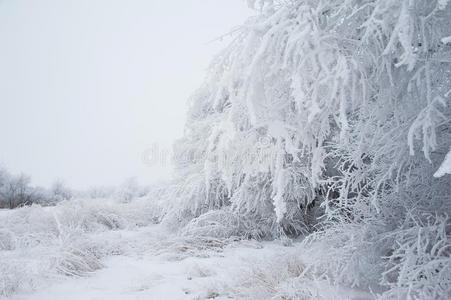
(86, 86)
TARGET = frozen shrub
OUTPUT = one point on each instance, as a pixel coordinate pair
(347, 255)
(419, 265)
(78, 260)
(266, 277)
(220, 224)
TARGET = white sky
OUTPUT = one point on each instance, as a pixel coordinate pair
(86, 86)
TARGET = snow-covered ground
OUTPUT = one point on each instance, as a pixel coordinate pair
(149, 262)
(189, 269)
(167, 268)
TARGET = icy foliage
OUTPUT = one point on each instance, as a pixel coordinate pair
(420, 260)
(333, 108)
(284, 274)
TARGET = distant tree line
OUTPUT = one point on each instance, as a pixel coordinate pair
(16, 191)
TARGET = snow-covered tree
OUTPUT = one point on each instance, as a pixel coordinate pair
(342, 104)
(16, 191)
(59, 192)
(130, 189)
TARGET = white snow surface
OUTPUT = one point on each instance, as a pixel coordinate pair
(445, 167)
(153, 263)
(446, 40)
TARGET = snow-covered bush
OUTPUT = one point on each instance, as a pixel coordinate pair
(419, 265)
(265, 280)
(347, 255)
(225, 223)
